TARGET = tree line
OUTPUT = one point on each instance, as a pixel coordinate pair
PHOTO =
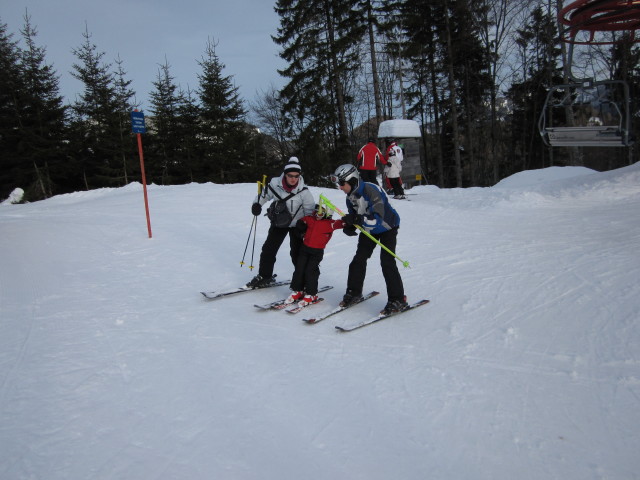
(474, 75)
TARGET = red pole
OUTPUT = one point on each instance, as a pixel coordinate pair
(144, 183)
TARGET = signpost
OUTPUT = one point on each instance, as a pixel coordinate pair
(138, 127)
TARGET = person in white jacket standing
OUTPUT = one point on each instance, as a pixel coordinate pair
(394, 157)
(292, 200)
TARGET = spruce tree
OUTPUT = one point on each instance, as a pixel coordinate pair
(125, 101)
(95, 122)
(43, 120)
(222, 126)
(12, 174)
(320, 41)
(187, 129)
(165, 142)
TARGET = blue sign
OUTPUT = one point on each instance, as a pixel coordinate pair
(137, 122)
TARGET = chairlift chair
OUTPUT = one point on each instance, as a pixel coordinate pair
(598, 119)
(609, 97)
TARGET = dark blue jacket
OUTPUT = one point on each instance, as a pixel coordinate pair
(372, 203)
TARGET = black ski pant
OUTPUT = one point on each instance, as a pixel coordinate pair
(272, 244)
(358, 266)
(396, 185)
(305, 278)
(369, 176)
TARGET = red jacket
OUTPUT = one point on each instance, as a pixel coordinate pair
(319, 231)
(369, 157)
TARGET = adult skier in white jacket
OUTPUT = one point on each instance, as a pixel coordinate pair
(394, 157)
(291, 200)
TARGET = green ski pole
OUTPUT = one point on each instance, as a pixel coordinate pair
(328, 203)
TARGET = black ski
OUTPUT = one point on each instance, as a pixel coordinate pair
(338, 309)
(377, 318)
(280, 305)
(213, 295)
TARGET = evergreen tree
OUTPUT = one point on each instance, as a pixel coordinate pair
(32, 118)
(222, 125)
(43, 119)
(423, 50)
(449, 81)
(11, 88)
(473, 85)
(125, 101)
(369, 9)
(187, 133)
(320, 42)
(95, 122)
(165, 142)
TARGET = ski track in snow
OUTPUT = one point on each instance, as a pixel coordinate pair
(524, 365)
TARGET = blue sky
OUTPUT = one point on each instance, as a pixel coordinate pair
(145, 32)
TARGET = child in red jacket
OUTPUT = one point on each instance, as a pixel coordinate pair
(317, 230)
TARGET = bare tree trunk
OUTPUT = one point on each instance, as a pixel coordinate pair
(40, 181)
(343, 133)
(576, 156)
(374, 65)
(452, 101)
(436, 119)
(401, 84)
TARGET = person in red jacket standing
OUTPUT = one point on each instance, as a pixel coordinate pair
(369, 157)
(317, 230)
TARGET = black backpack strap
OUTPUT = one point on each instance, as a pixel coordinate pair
(288, 196)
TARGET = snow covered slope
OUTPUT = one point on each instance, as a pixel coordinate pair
(525, 365)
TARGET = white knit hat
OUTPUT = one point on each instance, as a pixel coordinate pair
(293, 165)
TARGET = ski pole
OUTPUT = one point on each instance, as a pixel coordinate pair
(253, 224)
(253, 247)
(328, 203)
(261, 186)
(254, 227)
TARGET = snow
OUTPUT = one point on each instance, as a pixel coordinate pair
(14, 197)
(399, 128)
(526, 363)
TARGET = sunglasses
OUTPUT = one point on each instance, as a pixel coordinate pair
(290, 175)
(336, 180)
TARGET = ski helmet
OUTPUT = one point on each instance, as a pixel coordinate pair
(346, 174)
(322, 211)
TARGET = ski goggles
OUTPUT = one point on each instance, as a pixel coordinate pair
(336, 180)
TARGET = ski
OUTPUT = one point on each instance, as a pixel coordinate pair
(297, 308)
(338, 309)
(377, 318)
(279, 304)
(213, 295)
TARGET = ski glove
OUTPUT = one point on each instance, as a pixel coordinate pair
(350, 231)
(256, 209)
(351, 219)
(301, 228)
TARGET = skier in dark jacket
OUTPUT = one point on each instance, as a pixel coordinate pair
(369, 208)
